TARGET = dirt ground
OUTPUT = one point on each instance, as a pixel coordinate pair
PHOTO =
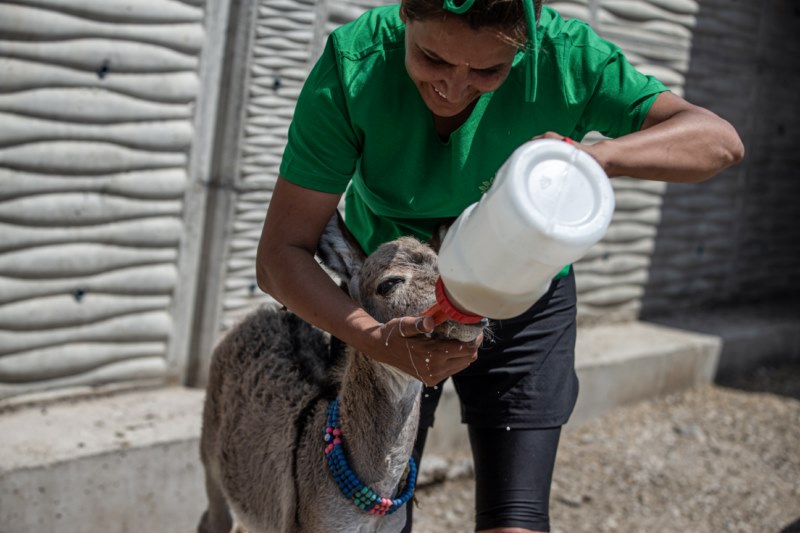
(722, 458)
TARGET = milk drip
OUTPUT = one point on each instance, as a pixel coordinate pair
(549, 203)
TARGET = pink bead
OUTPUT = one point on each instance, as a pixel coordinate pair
(328, 448)
(337, 432)
(337, 441)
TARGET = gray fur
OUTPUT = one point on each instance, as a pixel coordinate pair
(270, 383)
(339, 252)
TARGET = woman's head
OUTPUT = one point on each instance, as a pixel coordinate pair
(507, 17)
(453, 58)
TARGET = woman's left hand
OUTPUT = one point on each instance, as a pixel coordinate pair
(588, 148)
(557, 136)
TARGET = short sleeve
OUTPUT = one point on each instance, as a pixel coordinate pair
(617, 96)
(621, 99)
(322, 150)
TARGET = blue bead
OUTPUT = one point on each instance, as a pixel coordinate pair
(349, 484)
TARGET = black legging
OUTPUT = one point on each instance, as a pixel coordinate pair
(513, 472)
(514, 400)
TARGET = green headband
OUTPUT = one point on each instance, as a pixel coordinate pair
(531, 81)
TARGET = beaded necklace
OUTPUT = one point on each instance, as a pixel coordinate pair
(353, 489)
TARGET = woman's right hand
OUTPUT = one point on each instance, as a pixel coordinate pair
(408, 346)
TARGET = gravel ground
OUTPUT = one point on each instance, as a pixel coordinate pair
(722, 458)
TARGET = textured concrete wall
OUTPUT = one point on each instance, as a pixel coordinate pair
(736, 239)
(103, 128)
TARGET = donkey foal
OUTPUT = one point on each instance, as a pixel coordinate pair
(271, 380)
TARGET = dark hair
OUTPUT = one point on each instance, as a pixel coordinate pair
(508, 16)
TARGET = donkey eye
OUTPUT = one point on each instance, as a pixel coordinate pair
(386, 286)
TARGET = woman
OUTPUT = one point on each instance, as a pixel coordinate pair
(409, 112)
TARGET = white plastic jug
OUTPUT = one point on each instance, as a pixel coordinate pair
(549, 203)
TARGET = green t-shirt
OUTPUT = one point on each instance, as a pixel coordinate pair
(361, 126)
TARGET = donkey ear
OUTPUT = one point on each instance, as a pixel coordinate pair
(437, 237)
(339, 251)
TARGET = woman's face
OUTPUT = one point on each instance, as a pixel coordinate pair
(452, 64)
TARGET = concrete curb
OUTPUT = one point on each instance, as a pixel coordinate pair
(122, 463)
(624, 363)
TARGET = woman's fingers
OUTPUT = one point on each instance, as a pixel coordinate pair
(446, 358)
(414, 327)
(425, 325)
(412, 350)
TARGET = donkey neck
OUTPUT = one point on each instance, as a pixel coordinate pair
(379, 410)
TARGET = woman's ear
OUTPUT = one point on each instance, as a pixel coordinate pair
(403, 14)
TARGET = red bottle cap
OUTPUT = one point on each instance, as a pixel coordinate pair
(444, 309)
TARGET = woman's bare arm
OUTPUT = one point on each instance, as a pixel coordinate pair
(286, 269)
(678, 142)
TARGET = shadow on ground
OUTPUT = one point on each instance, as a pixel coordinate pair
(794, 527)
(778, 379)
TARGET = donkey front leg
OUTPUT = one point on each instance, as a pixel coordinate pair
(217, 518)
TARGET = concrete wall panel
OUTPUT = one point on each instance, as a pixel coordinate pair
(100, 105)
(735, 239)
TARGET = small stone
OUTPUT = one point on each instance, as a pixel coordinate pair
(570, 500)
